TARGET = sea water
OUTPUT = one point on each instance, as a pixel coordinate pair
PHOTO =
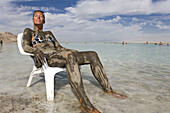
(140, 71)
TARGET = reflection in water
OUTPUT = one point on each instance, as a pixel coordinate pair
(1, 47)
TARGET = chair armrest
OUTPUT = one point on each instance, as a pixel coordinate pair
(19, 42)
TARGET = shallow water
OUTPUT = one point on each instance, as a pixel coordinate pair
(142, 72)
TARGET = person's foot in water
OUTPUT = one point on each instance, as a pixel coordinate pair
(115, 94)
(93, 110)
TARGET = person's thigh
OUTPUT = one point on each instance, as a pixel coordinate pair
(57, 59)
(85, 57)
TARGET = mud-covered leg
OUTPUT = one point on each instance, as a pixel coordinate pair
(98, 71)
(75, 80)
(100, 74)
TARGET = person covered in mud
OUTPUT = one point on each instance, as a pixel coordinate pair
(44, 44)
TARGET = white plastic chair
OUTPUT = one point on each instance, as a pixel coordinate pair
(49, 72)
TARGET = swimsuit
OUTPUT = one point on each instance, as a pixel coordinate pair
(40, 39)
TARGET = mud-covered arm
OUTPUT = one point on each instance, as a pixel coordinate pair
(27, 36)
(57, 45)
(27, 46)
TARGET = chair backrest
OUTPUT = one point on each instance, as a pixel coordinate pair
(19, 42)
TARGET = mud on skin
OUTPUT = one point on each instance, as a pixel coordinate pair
(58, 56)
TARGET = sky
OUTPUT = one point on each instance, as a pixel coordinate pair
(92, 20)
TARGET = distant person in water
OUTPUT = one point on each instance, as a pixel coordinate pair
(123, 43)
(1, 42)
(44, 44)
(160, 43)
(146, 42)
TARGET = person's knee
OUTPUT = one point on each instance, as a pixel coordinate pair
(94, 56)
(67, 54)
(94, 53)
(70, 56)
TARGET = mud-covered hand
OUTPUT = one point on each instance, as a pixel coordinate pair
(39, 58)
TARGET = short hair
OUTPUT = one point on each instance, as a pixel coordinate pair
(39, 11)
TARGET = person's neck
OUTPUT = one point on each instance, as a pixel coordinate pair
(38, 28)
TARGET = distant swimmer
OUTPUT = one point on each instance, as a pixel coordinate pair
(160, 43)
(123, 43)
(146, 42)
(1, 42)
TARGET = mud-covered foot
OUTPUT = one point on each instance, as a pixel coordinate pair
(93, 110)
(115, 94)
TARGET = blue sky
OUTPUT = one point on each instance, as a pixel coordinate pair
(92, 20)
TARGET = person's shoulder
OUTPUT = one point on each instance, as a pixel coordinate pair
(28, 30)
(48, 32)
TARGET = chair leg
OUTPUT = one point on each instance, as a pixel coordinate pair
(31, 76)
(29, 80)
(49, 82)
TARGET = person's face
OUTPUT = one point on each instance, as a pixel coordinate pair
(38, 18)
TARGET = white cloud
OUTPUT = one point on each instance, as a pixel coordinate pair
(160, 25)
(16, 18)
(115, 19)
(95, 8)
(81, 23)
(74, 29)
(134, 19)
(161, 7)
(26, 8)
(11, 19)
(26, 0)
(92, 9)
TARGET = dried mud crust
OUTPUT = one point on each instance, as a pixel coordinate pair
(17, 104)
